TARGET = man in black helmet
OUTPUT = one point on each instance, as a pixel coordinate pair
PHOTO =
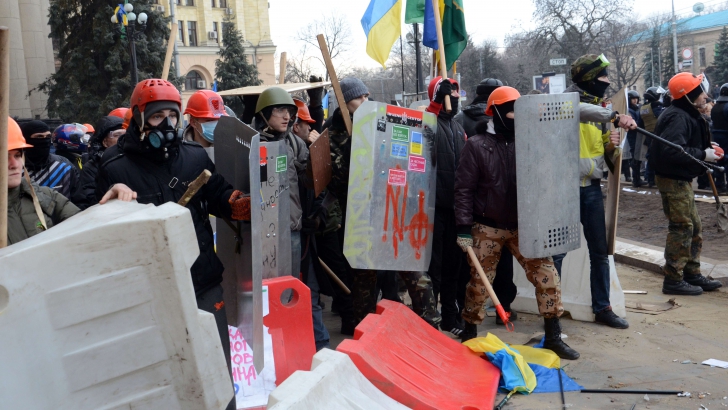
(719, 115)
(474, 113)
(649, 113)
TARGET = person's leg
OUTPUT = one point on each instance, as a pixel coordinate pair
(419, 288)
(636, 179)
(558, 261)
(503, 285)
(329, 252)
(364, 298)
(211, 301)
(439, 243)
(649, 174)
(450, 272)
(320, 333)
(387, 283)
(626, 170)
(296, 254)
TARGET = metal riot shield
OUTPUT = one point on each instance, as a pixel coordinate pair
(547, 174)
(391, 200)
(242, 285)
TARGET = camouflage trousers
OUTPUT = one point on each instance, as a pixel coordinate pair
(487, 245)
(684, 232)
(419, 288)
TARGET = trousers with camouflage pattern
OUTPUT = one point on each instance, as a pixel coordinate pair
(487, 245)
(684, 232)
(419, 288)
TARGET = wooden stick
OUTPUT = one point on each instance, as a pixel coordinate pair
(335, 82)
(335, 278)
(619, 104)
(194, 187)
(4, 113)
(170, 50)
(498, 308)
(441, 47)
(282, 76)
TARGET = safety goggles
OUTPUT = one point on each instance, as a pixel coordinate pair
(704, 83)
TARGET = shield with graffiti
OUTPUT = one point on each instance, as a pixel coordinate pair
(391, 198)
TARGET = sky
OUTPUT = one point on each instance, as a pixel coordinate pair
(484, 19)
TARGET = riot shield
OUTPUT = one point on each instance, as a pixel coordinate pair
(242, 287)
(547, 174)
(391, 200)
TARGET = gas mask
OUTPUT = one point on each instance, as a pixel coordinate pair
(163, 135)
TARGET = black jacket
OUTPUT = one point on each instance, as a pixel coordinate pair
(681, 124)
(56, 173)
(449, 142)
(470, 116)
(158, 182)
(85, 195)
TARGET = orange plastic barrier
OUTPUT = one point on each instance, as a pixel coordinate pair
(290, 326)
(417, 365)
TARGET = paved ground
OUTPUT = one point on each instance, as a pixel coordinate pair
(647, 356)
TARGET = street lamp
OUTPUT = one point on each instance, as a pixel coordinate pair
(131, 27)
(416, 41)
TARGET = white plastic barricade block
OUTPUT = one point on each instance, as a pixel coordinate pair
(99, 312)
(575, 287)
(333, 383)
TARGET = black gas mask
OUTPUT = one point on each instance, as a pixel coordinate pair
(163, 135)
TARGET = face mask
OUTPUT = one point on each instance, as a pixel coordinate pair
(163, 135)
(609, 106)
(502, 124)
(40, 151)
(207, 130)
(211, 153)
(599, 88)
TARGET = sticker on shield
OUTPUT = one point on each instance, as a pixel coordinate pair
(397, 177)
(416, 144)
(417, 164)
(381, 125)
(404, 116)
(399, 150)
(281, 163)
(400, 133)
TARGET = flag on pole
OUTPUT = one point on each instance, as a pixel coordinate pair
(454, 35)
(429, 34)
(382, 23)
(415, 11)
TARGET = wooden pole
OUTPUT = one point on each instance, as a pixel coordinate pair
(498, 307)
(619, 104)
(335, 82)
(194, 187)
(4, 111)
(441, 47)
(282, 76)
(335, 278)
(170, 50)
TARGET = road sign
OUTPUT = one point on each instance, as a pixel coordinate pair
(687, 63)
(687, 54)
(558, 61)
(463, 93)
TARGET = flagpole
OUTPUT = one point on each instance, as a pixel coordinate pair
(441, 47)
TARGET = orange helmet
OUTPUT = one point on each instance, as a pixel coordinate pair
(15, 136)
(499, 96)
(118, 112)
(303, 113)
(161, 93)
(205, 104)
(127, 119)
(89, 128)
(682, 84)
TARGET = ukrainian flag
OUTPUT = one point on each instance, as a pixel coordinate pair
(382, 23)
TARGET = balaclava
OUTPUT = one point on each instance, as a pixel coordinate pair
(38, 155)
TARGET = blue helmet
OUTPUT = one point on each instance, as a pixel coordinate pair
(70, 137)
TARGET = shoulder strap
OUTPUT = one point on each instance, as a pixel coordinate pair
(36, 203)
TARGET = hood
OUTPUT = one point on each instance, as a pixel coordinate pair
(476, 111)
(104, 126)
(584, 96)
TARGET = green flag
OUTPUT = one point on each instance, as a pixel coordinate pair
(454, 34)
(415, 12)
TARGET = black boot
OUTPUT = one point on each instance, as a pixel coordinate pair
(636, 179)
(610, 319)
(680, 287)
(452, 325)
(553, 340)
(703, 282)
(470, 332)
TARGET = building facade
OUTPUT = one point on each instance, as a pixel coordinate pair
(31, 54)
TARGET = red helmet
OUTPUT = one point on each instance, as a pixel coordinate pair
(681, 84)
(499, 96)
(435, 84)
(127, 119)
(89, 128)
(303, 113)
(205, 104)
(118, 112)
(151, 91)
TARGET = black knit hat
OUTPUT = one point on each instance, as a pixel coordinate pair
(34, 127)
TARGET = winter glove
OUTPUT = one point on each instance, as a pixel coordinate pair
(712, 155)
(430, 141)
(465, 241)
(240, 204)
(444, 89)
(309, 226)
(315, 95)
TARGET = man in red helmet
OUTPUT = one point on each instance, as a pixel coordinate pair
(152, 160)
(205, 108)
(682, 124)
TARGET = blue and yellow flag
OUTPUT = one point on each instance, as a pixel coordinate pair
(382, 23)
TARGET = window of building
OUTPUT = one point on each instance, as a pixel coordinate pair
(194, 81)
(189, 2)
(192, 33)
(216, 30)
(701, 53)
(223, 4)
(181, 31)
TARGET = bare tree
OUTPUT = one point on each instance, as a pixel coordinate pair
(337, 34)
(621, 42)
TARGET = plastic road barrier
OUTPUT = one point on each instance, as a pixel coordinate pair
(418, 366)
(333, 383)
(575, 287)
(99, 312)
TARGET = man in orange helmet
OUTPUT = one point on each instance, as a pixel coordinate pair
(205, 108)
(682, 124)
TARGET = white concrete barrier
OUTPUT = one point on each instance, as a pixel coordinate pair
(334, 383)
(575, 287)
(99, 312)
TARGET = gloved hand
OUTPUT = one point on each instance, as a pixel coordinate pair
(240, 203)
(464, 241)
(315, 95)
(309, 226)
(444, 89)
(718, 150)
(712, 155)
